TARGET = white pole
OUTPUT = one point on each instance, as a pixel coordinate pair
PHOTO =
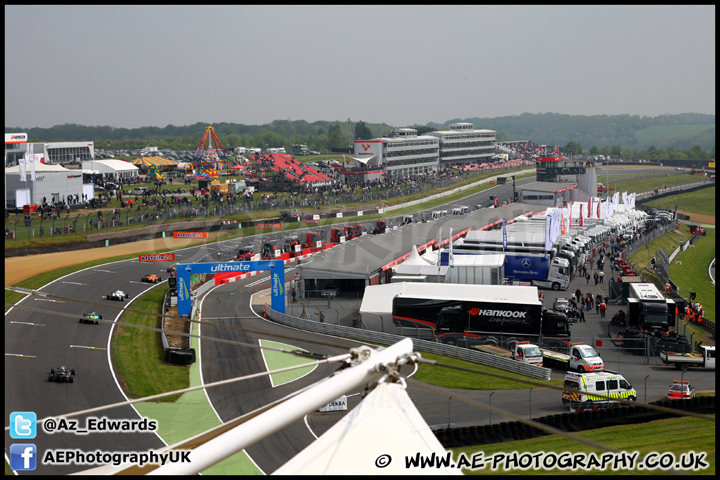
(289, 410)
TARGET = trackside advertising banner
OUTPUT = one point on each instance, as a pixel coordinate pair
(157, 257)
(190, 235)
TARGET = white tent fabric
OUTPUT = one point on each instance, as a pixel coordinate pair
(372, 439)
(366, 161)
(415, 258)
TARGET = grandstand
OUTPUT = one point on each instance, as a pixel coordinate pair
(293, 170)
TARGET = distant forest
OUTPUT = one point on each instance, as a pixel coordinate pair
(626, 134)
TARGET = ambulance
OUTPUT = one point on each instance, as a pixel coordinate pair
(590, 385)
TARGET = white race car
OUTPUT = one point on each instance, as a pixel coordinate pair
(117, 295)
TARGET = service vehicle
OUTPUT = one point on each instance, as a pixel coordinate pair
(151, 278)
(648, 309)
(581, 358)
(117, 295)
(582, 390)
(683, 361)
(62, 374)
(526, 259)
(524, 351)
(91, 317)
(680, 390)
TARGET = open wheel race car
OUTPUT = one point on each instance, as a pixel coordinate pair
(62, 374)
(117, 295)
(152, 278)
(91, 317)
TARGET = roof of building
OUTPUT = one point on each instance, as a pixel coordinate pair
(363, 257)
(41, 167)
(117, 165)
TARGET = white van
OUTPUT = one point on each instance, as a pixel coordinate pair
(590, 385)
(140, 190)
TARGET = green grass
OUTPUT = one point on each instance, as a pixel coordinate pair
(633, 182)
(138, 354)
(663, 132)
(676, 435)
(693, 273)
(700, 201)
(444, 377)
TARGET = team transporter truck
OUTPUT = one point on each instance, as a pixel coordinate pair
(472, 315)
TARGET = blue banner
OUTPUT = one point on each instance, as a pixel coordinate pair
(525, 267)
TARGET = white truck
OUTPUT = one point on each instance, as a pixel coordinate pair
(582, 358)
(525, 352)
(683, 361)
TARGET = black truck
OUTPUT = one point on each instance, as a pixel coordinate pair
(471, 322)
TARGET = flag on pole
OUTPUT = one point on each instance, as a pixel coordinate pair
(581, 215)
(451, 261)
(589, 207)
(548, 232)
(504, 234)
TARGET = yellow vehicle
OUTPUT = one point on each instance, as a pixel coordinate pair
(589, 385)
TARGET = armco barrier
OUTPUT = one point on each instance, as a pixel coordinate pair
(461, 353)
(172, 355)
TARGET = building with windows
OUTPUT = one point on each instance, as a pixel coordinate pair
(57, 153)
(403, 153)
(463, 144)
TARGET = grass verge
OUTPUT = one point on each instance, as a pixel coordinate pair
(700, 201)
(692, 273)
(138, 354)
(690, 434)
(448, 378)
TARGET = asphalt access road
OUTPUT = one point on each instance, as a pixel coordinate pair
(39, 339)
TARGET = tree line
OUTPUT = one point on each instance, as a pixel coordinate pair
(672, 135)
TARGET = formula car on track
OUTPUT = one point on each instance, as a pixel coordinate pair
(152, 278)
(91, 317)
(62, 374)
(117, 295)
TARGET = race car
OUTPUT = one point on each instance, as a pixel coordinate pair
(117, 295)
(91, 317)
(61, 374)
(152, 278)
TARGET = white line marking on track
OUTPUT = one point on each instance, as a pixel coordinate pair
(89, 348)
(29, 323)
(19, 355)
(48, 300)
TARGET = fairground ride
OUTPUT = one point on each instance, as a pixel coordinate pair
(210, 152)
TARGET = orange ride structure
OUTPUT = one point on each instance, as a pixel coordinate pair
(210, 153)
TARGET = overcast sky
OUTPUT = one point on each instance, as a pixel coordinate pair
(134, 66)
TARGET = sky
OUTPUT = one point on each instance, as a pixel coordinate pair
(143, 65)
